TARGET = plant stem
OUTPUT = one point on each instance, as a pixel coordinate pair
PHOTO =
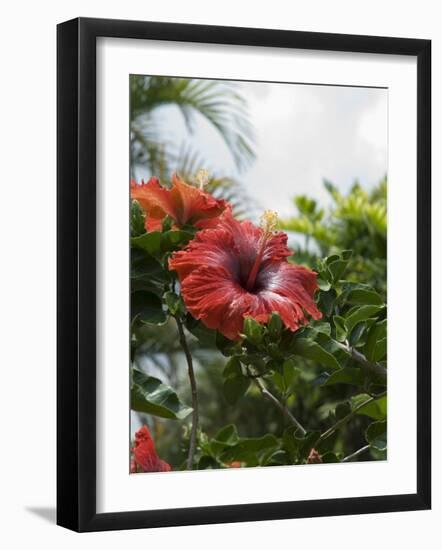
(345, 419)
(267, 394)
(193, 433)
(356, 453)
(360, 358)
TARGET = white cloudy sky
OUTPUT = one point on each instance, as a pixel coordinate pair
(304, 133)
(308, 133)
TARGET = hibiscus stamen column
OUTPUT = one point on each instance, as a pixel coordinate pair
(202, 178)
(269, 221)
(194, 392)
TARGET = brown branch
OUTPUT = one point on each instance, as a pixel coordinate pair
(268, 395)
(191, 372)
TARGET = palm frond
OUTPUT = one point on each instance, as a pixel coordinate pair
(216, 101)
(146, 153)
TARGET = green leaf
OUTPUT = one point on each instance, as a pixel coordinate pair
(361, 314)
(328, 444)
(333, 347)
(227, 347)
(329, 458)
(150, 242)
(356, 333)
(380, 350)
(274, 326)
(253, 330)
(364, 297)
(331, 259)
(278, 379)
(205, 336)
(166, 224)
(321, 379)
(305, 204)
(376, 435)
(378, 455)
(255, 360)
(235, 383)
(346, 375)
(147, 308)
(284, 376)
(337, 269)
(326, 301)
(232, 368)
(323, 284)
(226, 437)
(208, 463)
(289, 373)
(274, 458)
(342, 410)
(173, 240)
(249, 449)
(320, 327)
(376, 409)
(341, 331)
(298, 447)
(150, 395)
(136, 219)
(147, 273)
(311, 350)
(377, 333)
(174, 303)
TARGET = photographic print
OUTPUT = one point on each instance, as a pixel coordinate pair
(258, 234)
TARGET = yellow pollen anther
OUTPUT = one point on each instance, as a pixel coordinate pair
(269, 221)
(202, 178)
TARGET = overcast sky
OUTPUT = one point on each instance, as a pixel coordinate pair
(304, 134)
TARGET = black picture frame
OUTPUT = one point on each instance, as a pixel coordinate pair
(76, 273)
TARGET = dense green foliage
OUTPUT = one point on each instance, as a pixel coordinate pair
(356, 221)
(331, 373)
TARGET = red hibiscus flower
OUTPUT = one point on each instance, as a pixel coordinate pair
(145, 458)
(184, 203)
(314, 457)
(238, 270)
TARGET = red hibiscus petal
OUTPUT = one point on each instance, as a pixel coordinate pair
(153, 224)
(210, 295)
(196, 204)
(291, 289)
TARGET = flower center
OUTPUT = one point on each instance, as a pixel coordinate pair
(269, 221)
